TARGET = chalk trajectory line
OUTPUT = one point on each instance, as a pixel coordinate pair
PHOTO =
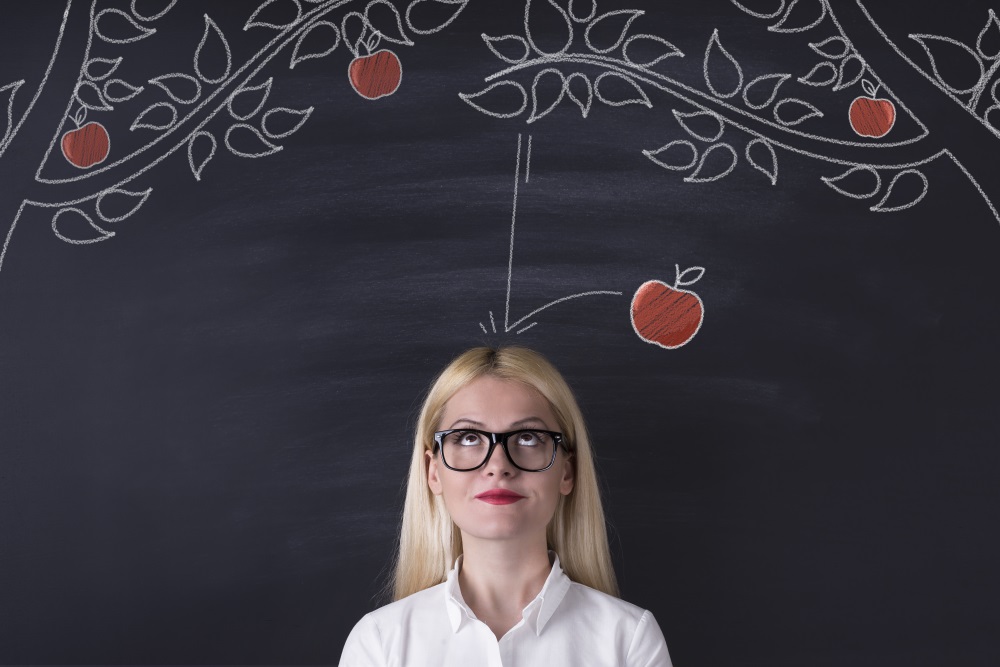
(507, 324)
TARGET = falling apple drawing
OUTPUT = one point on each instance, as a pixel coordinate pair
(666, 315)
(871, 116)
(87, 145)
(375, 75)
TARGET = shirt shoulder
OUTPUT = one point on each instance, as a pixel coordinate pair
(630, 628)
(580, 595)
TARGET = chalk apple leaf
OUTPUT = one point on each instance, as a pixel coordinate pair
(158, 116)
(548, 83)
(647, 50)
(618, 90)
(792, 111)
(73, 226)
(203, 144)
(181, 88)
(495, 100)
(282, 122)
(716, 162)
(956, 67)
(425, 17)
(276, 14)
(859, 182)
(760, 154)
(678, 155)
(905, 189)
(116, 204)
(513, 49)
(212, 49)
(246, 141)
(99, 69)
(763, 90)
(721, 69)
(116, 27)
(606, 33)
(800, 16)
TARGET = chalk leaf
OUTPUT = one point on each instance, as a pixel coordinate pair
(617, 90)
(320, 39)
(513, 49)
(905, 189)
(498, 99)
(74, 226)
(425, 17)
(606, 33)
(717, 162)
(200, 149)
(723, 75)
(212, 58)
(116, 204)
(116, 27)
(760, 154)
(678, 155)
(181, 88)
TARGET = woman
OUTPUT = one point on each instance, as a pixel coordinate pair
(503, 556)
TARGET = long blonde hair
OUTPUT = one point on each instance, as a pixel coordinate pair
(429, 542)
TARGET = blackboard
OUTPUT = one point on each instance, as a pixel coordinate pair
(207, 401)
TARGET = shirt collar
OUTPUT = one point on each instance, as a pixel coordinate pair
(537, 612)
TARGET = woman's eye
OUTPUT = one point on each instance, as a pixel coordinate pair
(528, 439)
(470, 439)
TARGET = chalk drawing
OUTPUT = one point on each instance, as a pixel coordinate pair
(151, 17)
(869, 115)
(181, 122)
(181, 88)
(666, 315)
(255, 20)
(515, 326)
(770, 120)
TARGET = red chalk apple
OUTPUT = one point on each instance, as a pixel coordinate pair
(666, 315)
(87, 145)
(871, 116)
(375, 75)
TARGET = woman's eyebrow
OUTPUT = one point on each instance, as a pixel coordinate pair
(520, 423)
(465, 420)
(528, 421)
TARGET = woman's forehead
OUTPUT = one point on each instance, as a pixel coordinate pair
(497, 403)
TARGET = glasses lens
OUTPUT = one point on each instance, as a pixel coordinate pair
(466, 450)
(531, 450)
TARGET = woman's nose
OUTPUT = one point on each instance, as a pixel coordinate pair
(498, 463)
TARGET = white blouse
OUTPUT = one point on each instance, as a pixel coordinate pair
(566, 625)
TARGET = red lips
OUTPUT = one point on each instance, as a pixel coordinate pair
(499, 497)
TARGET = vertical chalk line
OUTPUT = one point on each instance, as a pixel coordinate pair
(513, 219)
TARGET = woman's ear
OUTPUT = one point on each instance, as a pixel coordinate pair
(433, 477)
(568, 477)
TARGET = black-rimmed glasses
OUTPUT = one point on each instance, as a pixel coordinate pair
(467, 449)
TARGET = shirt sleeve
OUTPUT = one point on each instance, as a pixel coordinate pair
(363, 647)
(648, 648)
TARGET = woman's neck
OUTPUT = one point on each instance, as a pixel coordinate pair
(499, 578)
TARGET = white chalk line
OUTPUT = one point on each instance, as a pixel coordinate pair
(565, 298)
(513, 221)
(44, 80)
(508, 326)
(698, 99)
(907, 60)
(527, 162)
(272, 48)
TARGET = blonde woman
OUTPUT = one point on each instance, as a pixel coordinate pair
(503, 555)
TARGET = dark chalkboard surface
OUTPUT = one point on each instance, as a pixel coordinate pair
(207, 392)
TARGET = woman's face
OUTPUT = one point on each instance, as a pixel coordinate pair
(495, 405)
